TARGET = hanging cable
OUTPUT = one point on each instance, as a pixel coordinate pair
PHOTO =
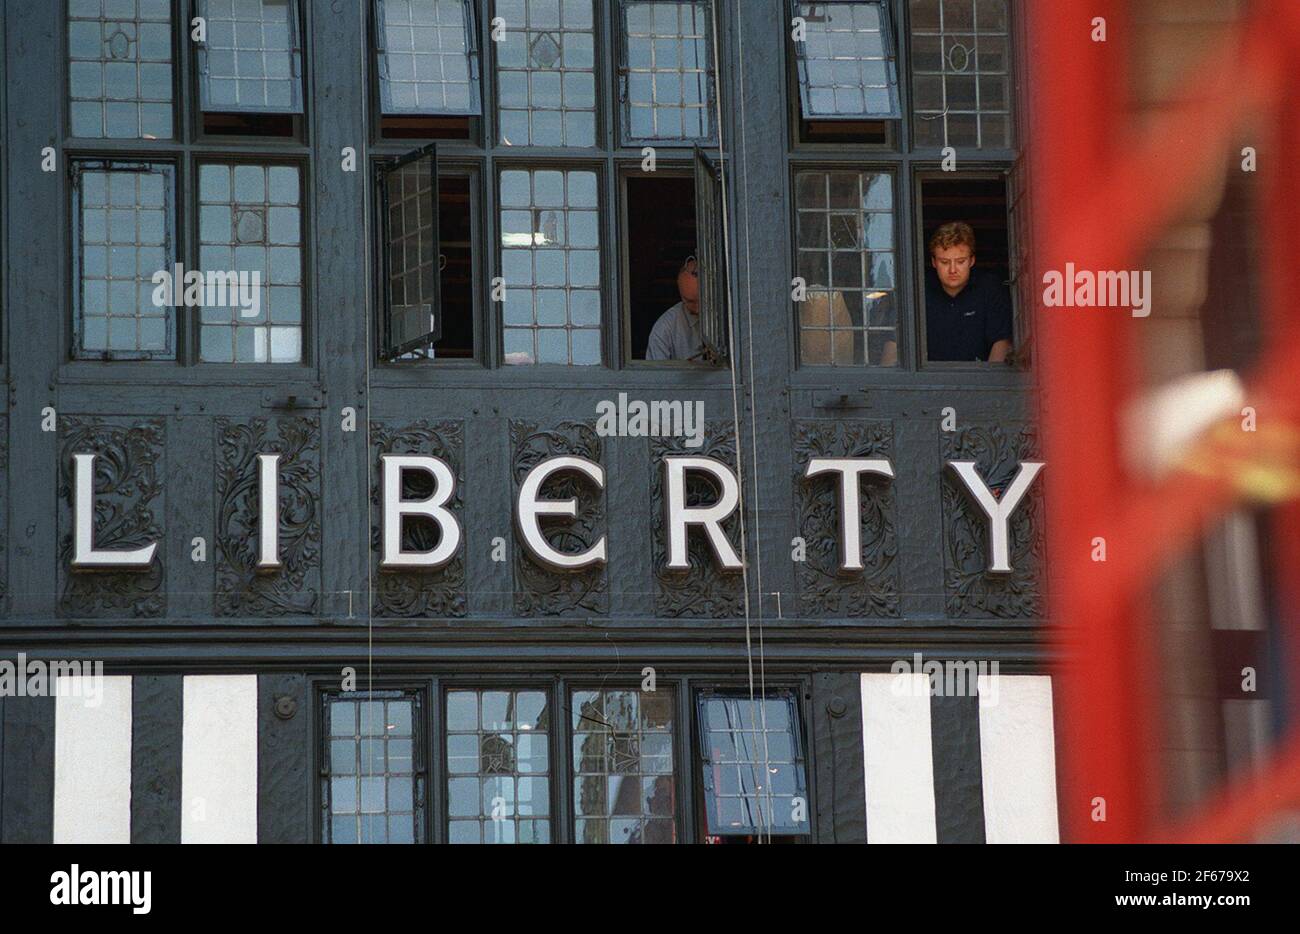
(761, 790)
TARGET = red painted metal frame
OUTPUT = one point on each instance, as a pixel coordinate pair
(1104, 188)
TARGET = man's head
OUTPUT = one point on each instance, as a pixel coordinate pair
(952, 254)
(688, 285)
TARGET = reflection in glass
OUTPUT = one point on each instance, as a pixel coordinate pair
(623, 790)
(845, 256)
(753, 767)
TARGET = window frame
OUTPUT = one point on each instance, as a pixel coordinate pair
(902, 338)
(559, 686)
(984, 171)
(663, 169)
(790, 693)
(189, 146)
(384, 169)
(473, 55)
(177, 63)
(889, 42)
(711, 259)
(1014, 104)
(297, 67)
(681, 739)
(481, 155)
(559, 816)
(905, 161)
(622, 110)
(192, 331)
(523, 162)
(423, 725)
(77, 166)
(602, 86)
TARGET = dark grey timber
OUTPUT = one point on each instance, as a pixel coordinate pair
(156, 721)
(284, 757)
(837, 744)
(824, 651)
(27, 809)
(958, 788)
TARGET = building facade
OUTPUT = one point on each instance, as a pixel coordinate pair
(465, 218)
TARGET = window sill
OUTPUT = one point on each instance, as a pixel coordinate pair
(551, 377)
(168, 372)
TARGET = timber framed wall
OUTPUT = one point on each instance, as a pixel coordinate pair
(180, 436)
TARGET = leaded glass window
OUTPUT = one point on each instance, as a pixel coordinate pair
(124, 233)
(550, 261)
(846, 66)
(546, 73)
(961, 85)
(374, 779)
(666, 71)
(845, 231)
(623, 788)
(120, 69)
(251, 58)
(753, 765)
(498, 766)
(428, 57)
(250, 224)
(408, 190)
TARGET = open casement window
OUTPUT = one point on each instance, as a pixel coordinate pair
(1020, 254)
(711, 259)
(428, 57)
(752, 762)
(410, 319)
(847, 68)
(250, 60)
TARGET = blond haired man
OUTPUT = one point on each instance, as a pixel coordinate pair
(967, 311)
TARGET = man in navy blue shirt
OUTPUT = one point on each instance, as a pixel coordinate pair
(967, 312)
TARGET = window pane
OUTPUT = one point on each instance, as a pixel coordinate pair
(753, 766)
(551, 267)
(498, 765)
(120, 69)
(845, 255)
(411, 322)
(250, 252)
(370, 793)
(960, 83)
(428, 60)
(668, 81)
(546, 70)
(623, 787)
(251, 60)
(124, 235)
(845, 69)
